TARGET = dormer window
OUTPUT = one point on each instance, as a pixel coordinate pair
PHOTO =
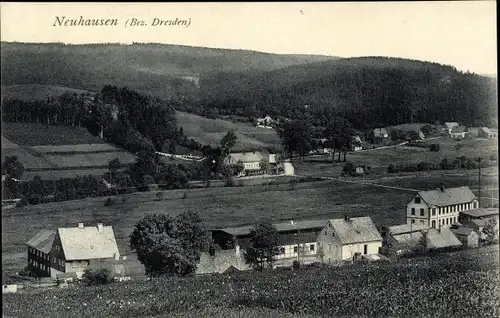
(417, 200)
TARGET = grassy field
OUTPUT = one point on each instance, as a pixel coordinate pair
(457, 284)
(36, 92)
(211, 131)
(379, 159)
(52, 152)
(220, 207)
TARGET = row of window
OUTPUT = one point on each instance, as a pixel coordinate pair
(38, 265)
(442, 222)
(38, 253)
(455, 208)
(422, 212)
(60, 262)
(296, 249)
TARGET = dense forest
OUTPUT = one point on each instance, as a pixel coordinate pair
(369, 92)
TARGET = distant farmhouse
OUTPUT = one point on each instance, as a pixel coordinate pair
(338, 240)
(485, 132)
(440, 208)
(458, 132)
(69, 251)
(448, 126)
(266, 122)
(357, 144)
(380, 133)
(252, 161)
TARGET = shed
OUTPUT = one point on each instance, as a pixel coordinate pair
(467, 236)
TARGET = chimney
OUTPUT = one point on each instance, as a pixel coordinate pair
(237, 249)
(100, 227)
(81, 225)
(347, 218)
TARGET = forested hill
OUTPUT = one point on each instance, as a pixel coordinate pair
(369, 91)
(161, 69)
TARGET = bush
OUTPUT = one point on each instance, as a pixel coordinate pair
(110, 202)
(296, 264)
(101, 276)
(159, 196)
(22, 202)
(435, 147)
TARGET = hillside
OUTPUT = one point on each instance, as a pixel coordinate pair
(160, 69)
(369, 91)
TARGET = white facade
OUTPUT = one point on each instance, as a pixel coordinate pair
(419, 212)
(288, 169)
(304, 249)
(365, 248)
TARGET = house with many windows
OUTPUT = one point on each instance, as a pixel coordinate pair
(252, 161)
(441, 207)
(39, 246)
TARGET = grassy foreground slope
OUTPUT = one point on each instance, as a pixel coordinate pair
(459, 284)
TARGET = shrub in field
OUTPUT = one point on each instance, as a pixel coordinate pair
(99, 276)
(110, 202)
(159, 196)
(435, 147)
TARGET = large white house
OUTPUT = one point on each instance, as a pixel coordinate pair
(252, 161)
(440, 208)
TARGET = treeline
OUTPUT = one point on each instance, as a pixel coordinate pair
(445, 164)
(122, 116)
(368, 92)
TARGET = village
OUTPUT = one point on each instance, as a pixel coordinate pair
(437, 220)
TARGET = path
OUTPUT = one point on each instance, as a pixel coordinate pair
(368, 184)
(182, 157)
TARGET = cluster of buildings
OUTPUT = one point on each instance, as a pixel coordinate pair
(260, 162)
(445, 218)
(457, 131)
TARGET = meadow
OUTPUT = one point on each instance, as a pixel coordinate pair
(210, 131)
(458, 284)
(221, 207)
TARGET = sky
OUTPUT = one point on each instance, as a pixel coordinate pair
(458, 33)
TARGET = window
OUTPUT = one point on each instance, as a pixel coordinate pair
(412, 211)
(417, 200)
(434, 224)
(412, 221)
(295, 249)
(422, 212)
(433, 211)
(475, 205)
(421, 221)
(333, 234)
(312, 247)
(365, 249)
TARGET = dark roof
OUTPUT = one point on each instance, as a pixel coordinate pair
(462, 230)
(42, 241)
(458, 129)
(407, 228)
(281, 227)
(448, 196)
(442, 239)
(356, 230)
(481, 212)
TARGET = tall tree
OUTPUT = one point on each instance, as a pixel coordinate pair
(13, 167)
(264, 240)
(296, 136)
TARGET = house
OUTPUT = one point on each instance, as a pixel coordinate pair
(77, 248)
(467, 236)
(250, 160)
(416, 136)
(478, 214)
(485, 132)
(478, 225)
(266, 122)
(440, 208)
(458, 132)
(448, 126)
(380, 133)
(39, 246)
(343, 239)
(357, 144)
(297, 240)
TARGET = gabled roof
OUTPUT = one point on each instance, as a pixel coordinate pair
(451, 124)
(42, 241)
(462, 230)
(281, 227)
(458, 129)
(442, 239)
(245, 157)
(356, 230)
(481, 212)
(448, 196)
(221, 262)
(88, 243)
(380, 130)
(477, 223)
(486, 130)
(407, 228)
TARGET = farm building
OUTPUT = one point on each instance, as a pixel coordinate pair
(440, 207)
(344, 239)
(458, 132)
(357, 144)
(297, 239)
(477, 214)
(77, 248)
(485, 132)
(448, 126)
(478, 225)
(467, 236)
(442, 238)
(39, 246)
(266, 122)
(251, 161)
(380, 133)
